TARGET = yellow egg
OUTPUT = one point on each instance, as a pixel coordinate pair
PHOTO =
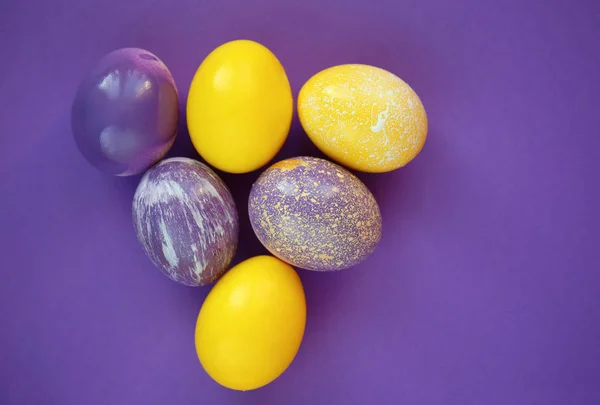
(239, 107)
(251, 324)
(363, 117)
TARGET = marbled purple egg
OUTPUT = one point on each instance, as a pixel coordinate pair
(186, 221)
(125, 113)
(314, 214)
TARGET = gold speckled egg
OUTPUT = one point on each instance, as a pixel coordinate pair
(314, 214)
(363, 117)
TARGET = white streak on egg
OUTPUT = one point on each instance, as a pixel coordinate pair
(381, 118)
(167, 246)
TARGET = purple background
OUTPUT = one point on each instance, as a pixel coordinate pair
(485, 288)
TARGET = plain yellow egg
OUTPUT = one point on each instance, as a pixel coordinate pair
(363, 117)
(251, 324)
(239, 107)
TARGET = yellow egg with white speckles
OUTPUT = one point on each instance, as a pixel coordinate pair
(363, 117)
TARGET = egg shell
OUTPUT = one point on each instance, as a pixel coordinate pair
(186, 221)
(251, 324)
(314, 214)
(239, 107)
(363, 117)
(126, 112)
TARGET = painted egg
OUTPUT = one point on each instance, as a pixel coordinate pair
(251, 324)
(186, 221)
(314, 214)
(239, 107)
(363, 117)
(125, 113)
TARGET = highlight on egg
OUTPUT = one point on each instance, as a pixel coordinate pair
(186, 221)
(314, 214)
(239, 107)
(363, 117)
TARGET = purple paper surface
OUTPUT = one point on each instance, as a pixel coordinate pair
(485, 288)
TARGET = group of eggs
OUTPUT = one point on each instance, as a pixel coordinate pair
(308, 212)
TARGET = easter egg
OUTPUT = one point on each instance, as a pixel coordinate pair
(314, 214)
(125, 113)
(239, 107)
(186, 221)
(363, 117)
(251, 324)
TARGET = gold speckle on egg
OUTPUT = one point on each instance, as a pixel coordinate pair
(288, 164)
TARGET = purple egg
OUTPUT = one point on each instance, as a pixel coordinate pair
(314, 214)
(125, 113)
(186, 220)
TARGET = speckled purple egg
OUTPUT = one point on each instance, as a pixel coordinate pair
(125, 113)
(186, 221)
(314, 214)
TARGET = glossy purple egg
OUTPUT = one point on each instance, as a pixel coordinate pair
(314, 214)
(125, 113)
(186, 220)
